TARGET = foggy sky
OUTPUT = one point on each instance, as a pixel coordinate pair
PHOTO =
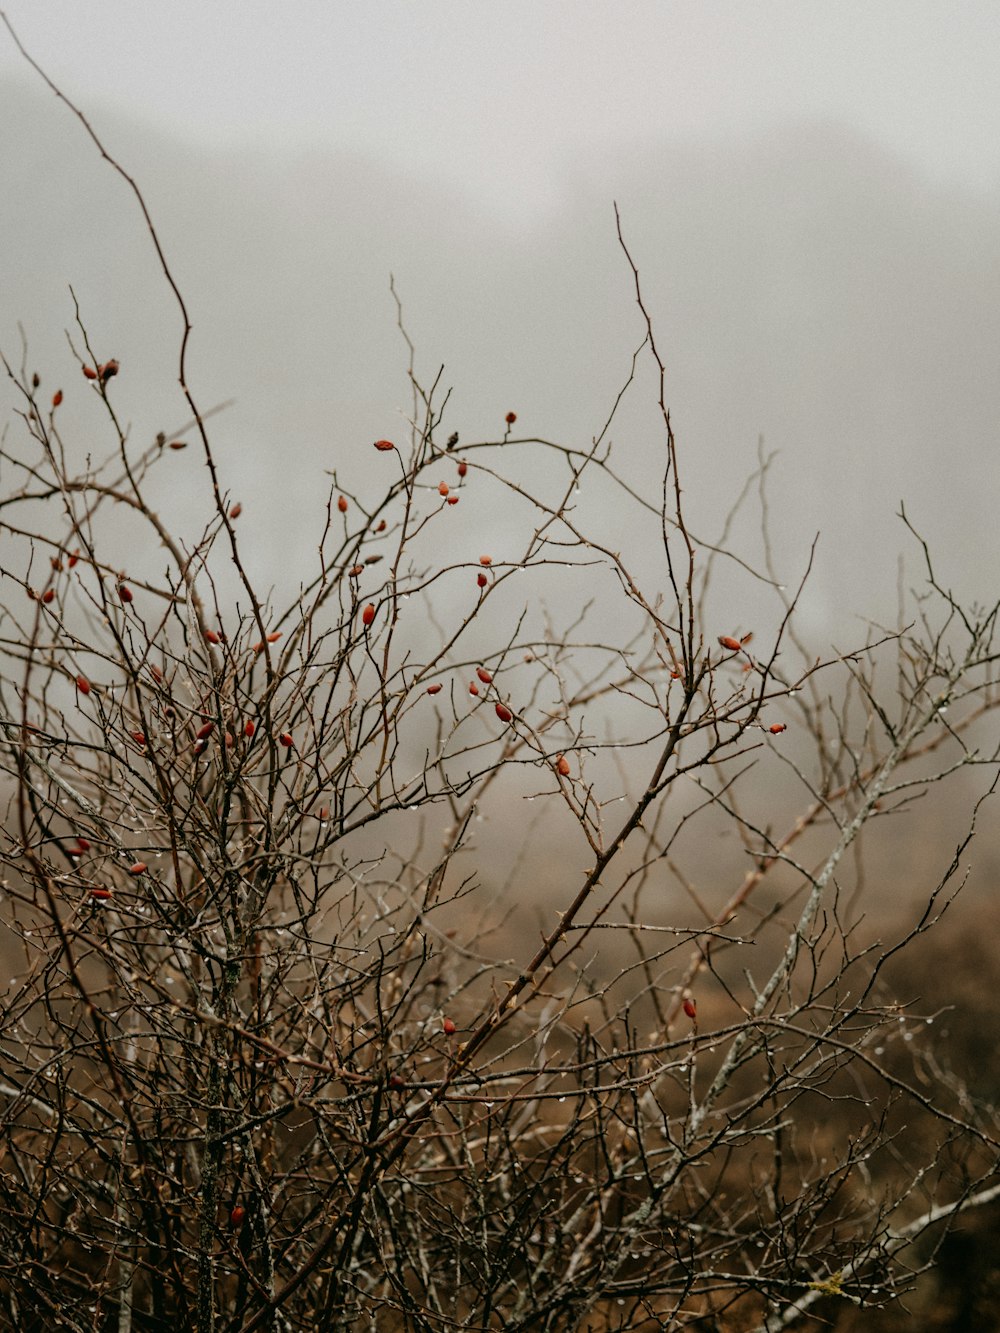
(496, 98)
(810, 193)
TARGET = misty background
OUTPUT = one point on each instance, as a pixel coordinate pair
(811, 194)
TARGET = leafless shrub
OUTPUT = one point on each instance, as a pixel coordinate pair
(263, 1064)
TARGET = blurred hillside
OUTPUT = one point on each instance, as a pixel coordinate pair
(809, 288)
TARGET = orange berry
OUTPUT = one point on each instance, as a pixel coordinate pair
(204, 730)
(690, 1008)
(236, 510)
(342, 504)
(356, 571)
(139, 868)
(510, 418)
(368, 614)
(286, 739)
(274, 636)
(249, 728)
(473, 687)
(57, 398)
(73, 559)
(453, 499)
(463, 468)
(776, 728)
(90, 372)
(562, 766)
(177, 444)
(482, 580)
(732, 645)
(443, 488)
(503, 713)
(449, 1028)
(212, 637)
(48, 595)
(484, 675)
(434, 689)
(100, 894)
(139, 737)
(237, 1215)
(83, 684)
(384, 446)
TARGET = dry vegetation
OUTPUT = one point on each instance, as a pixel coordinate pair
(264, 1065)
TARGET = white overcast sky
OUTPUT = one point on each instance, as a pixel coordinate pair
(811, 188)
(494, 96)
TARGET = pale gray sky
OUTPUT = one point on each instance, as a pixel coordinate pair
(811, 190)
(494, 96)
